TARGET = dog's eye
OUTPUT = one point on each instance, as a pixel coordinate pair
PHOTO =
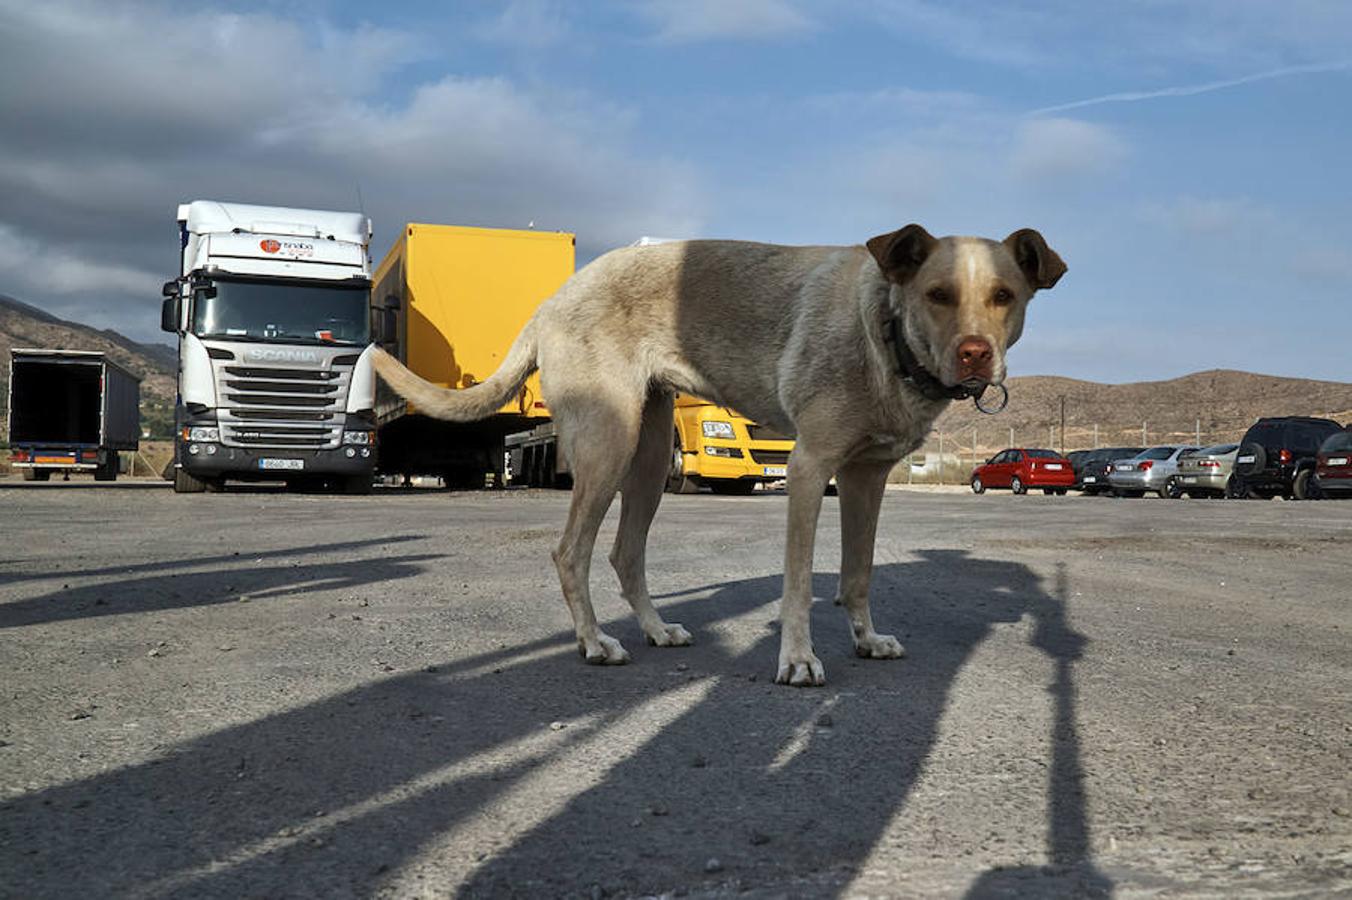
(1003, 297)
(938, 295)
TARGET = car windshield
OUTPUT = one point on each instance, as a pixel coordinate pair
(284, 312)
(1337, 443)
(1043, 454)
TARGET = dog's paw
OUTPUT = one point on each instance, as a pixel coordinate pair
(801, 670)
(604, 651)
(668, 634)
(878, 646)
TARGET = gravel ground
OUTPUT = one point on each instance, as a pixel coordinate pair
(268, 695)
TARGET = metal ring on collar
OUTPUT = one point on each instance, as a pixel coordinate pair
(1004, 401)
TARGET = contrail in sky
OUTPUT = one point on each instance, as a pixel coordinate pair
(1187, 90)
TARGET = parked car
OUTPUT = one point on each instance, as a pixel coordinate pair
(1277, 457)
(1333, 465)
(1021, 468)
(1149, 470)
(1091, 472)
(1204, 473)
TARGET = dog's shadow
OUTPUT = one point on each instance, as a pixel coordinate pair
(785, 787)
(329, 798)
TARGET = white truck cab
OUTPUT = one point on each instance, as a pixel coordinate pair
(272, 312)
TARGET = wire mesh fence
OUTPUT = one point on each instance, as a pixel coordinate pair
(948, 457)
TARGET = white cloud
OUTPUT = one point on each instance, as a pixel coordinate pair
(680, 21)
(528, 23)
(27, 263)
(122, 122)
(1054, 148)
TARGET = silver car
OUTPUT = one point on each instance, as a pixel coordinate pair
(1149, 470)
(1204, 473)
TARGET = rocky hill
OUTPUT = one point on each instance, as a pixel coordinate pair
(1220, 404)
(22, 325)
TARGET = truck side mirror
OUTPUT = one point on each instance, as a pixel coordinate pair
(170, 314)
(170, 289)
(387, 326)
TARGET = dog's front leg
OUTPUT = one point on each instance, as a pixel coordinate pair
(861, 492)
(809, 473)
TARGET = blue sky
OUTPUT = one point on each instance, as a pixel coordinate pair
(1189, 161)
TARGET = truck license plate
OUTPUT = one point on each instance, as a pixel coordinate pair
(776, 471)
(281, 464)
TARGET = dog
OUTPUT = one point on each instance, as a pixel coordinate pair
(855, 350)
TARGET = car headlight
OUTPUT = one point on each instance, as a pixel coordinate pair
(201, 434)
(721, 430)
(359, 437)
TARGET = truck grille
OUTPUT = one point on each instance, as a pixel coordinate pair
(771, 457)
(281, 407)
(765, 433)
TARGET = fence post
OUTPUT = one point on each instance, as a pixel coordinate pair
(941, 457)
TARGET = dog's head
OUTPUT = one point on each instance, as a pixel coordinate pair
(961, 300)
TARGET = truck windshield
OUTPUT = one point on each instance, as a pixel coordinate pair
(276, 311)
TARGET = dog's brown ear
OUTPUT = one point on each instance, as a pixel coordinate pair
(901, 253)
(1040, 264)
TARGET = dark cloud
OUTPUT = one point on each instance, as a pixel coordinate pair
(125, 110)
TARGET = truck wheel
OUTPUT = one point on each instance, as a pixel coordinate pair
(677, 481)
(187, 484)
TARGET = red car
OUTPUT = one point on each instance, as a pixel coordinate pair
(1333, 465)
(1020, 469)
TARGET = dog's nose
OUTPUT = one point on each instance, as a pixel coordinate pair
(975, 358)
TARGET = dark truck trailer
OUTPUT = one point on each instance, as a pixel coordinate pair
(70, 411)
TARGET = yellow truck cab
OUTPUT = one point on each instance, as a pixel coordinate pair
(727, 452)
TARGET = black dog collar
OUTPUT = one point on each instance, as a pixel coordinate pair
(910, 370)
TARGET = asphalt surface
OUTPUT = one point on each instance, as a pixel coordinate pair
(269, 695)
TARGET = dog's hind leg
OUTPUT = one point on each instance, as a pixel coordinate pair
(640, 495)
(598, 431)
(861, 487)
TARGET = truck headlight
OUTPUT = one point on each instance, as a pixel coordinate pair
(722, 430)
(201, 434)
(364, 438)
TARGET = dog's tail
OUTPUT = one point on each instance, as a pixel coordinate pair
(468, 404)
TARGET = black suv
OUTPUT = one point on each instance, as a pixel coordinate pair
(1277, 456)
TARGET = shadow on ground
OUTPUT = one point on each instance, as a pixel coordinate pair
(332, 798)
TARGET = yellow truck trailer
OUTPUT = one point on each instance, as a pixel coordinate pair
(449, 300)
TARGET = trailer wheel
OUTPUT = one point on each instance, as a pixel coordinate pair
(37, 474)
(187, 484)
(107, 470)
